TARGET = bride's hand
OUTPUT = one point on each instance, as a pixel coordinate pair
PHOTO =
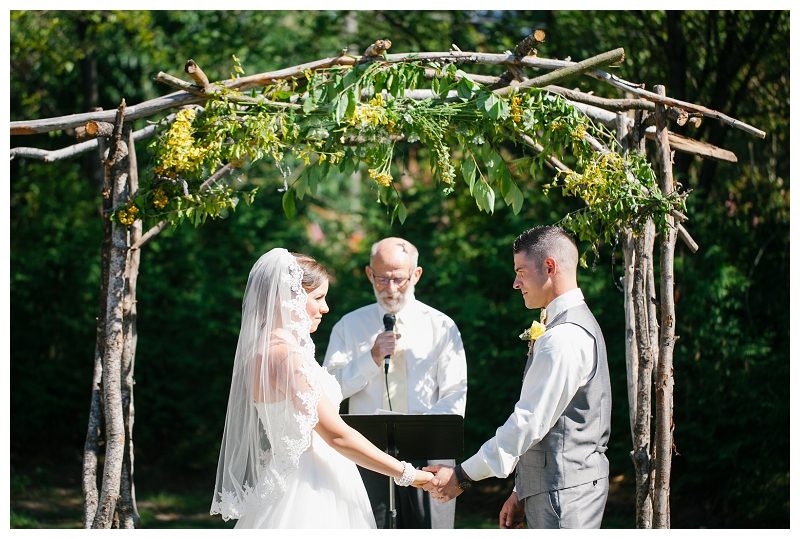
(420, 478)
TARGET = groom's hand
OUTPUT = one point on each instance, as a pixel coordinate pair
(443, 486)
(512, 515)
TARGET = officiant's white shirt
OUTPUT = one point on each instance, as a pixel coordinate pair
(436, 367)
(563, 360)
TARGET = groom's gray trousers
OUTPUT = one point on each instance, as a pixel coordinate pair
(415, 508)
(578, 507)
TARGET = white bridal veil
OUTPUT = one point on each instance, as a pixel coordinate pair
(272, 407)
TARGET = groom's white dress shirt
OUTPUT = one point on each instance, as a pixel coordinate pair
(563, 360)
(435, 364)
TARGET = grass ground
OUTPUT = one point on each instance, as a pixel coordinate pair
(35, 505)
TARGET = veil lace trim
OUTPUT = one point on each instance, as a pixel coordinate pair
(263, 441)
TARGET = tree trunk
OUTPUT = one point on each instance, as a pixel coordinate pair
(641, 444)
(629, 254)
(640, 261)
(91, 448)
(664, 374)
(127, 511)
(116, 166)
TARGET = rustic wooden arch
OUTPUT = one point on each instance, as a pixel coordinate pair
(650, 333)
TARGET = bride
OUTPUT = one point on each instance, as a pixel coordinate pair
(287, 458)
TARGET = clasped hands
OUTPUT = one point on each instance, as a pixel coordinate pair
(443, 486)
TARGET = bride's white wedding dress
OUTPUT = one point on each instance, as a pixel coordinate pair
(325, 491)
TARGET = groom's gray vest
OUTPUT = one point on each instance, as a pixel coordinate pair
(573, 451)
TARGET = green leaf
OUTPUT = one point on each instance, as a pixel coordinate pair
(493, 165)
(484, 196)
(309, 104)
(351, 103)
(468, 170)
(349, 78)
(399, 212)
(516, 198)
(338, 109)
(402, 213)
(498, 110)
(464, 89)
(302, 182)
(487, 102)
(288, 203)
(314, 179)
(504, 177)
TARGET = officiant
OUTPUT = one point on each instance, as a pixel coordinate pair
(427, 370)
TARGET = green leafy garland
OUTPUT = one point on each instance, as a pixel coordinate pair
(350, 115)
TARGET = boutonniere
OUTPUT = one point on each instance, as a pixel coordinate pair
(532, 333)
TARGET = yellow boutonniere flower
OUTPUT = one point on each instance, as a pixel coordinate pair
(532, 333)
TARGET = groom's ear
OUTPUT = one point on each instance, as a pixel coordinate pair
(550, 267)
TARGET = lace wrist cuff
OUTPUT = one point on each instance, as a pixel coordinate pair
(408, 475)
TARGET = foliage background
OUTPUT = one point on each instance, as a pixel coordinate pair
(732, 359)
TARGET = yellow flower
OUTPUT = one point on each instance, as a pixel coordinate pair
(160, 199)
(537, 330)
(532, 333)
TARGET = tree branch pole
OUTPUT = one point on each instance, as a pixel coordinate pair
(116, 166)
(641, 259)
(523, 48)
(181, 98)
(549, 159)
(664, 381)
(565, 73)
(629, 256)
(641, 446)
(86, 146)
(91, 448)
(663, 100)
(135, 112)
(126, 508)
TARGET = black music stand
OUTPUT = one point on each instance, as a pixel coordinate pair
(411, 437)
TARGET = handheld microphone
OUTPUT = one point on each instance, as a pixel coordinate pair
(388, 325)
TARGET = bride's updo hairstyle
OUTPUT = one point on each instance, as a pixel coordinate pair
(313, 272)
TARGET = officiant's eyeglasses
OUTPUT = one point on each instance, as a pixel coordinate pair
(399, 282)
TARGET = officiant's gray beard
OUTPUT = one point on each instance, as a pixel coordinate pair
(394, 302)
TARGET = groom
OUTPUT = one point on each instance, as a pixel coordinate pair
(557, 436)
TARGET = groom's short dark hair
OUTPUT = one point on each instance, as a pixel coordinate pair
(541, 242)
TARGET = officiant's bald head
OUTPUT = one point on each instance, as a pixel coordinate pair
(393, 272)
(394, 248)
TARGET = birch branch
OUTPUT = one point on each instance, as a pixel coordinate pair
(687, 239)
(559, 75)
(696, 147)
(664, 379)
(211, 89)
(135, 112)
(663, 100)
(523, 48)
(273, 77)
(552, 161)
(126, 506)
(641, 433)
(116, 168)
(48, 156)
(149, 235)
(194, 71)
